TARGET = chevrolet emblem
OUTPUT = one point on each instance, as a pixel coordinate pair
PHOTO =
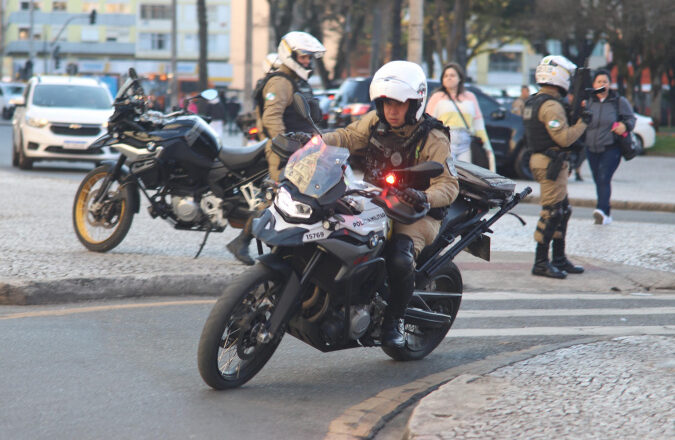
(74, 126)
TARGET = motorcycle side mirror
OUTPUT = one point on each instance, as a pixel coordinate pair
(209, 94)
(132, 73)
(301, 105)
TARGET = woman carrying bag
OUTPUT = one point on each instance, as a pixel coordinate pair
(613, 118)
(458, 109)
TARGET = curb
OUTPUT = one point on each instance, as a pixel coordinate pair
(365, 419)
(91, 289)
(616, 204)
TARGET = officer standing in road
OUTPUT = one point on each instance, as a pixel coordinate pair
(399, 134)
(549, 137)
(275, 112)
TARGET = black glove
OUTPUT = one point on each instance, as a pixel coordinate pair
(299, 136)
(414, 198)
(586, 116)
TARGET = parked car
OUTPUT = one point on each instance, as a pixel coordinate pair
(644, 133)
(325, 98)
(504, 129)
(57, 118)
(9, 92)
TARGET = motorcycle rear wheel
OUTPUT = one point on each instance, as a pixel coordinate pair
(102, 229)
(420, 340)
(229, 353)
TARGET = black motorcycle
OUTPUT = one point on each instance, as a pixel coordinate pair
(325, 281)
(178, 162)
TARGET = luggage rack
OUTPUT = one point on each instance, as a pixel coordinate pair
(481, 184)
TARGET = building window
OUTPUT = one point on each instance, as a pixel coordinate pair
(120, 35)
(505, 62)
(154, 41)
(190, 43)
(89, 33)
(25, 6)
(117, 8)
(155, 12)
(89, 6)
(24, 34)
(59, 6)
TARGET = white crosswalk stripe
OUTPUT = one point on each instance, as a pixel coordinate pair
(565, 312)
(658, 305)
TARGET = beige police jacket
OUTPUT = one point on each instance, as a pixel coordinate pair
(443, 189)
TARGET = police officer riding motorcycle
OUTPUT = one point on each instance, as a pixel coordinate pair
(398, 134)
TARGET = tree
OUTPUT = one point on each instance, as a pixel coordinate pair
(463, 29)
(203, 81)
(578, 32)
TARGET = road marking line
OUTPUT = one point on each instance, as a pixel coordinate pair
(564, 312)
(562, 331)
(63, 312)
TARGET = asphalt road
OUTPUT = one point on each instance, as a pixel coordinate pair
(128, 369)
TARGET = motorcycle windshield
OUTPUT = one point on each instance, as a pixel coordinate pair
(316, 168)
(123, 90)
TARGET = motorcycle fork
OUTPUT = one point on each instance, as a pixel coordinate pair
(110, 178)
(291, 295)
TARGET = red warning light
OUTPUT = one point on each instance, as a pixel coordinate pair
(390, 179)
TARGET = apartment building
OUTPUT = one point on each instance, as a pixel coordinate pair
(126, 33)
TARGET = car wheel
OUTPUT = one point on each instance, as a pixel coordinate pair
(15, 155)
(522, 164)
(23, 162)
(639, 144)
(5, 113)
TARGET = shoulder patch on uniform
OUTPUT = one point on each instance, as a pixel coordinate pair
(554, 123)
(270, 96)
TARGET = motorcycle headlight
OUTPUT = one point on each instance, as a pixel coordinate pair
(36, 122)
(292, 208)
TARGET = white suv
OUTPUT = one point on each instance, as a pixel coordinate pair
(57, 118)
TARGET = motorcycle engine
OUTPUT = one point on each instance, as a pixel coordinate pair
(211, 205)
(360, 320)
(185, 208)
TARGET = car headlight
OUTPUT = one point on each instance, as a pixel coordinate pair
(36, 122)
(292, 208)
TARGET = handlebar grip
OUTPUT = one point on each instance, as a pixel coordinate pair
(525, 192)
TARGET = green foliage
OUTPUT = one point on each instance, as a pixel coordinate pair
(665, 143)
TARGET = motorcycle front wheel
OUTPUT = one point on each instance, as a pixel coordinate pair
(100, 226)
(421, 340)
(232, 348)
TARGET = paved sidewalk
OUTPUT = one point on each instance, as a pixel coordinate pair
(621, 388)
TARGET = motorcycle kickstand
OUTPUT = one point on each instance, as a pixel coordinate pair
(203, 243)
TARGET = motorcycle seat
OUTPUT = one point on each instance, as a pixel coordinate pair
(237, 158)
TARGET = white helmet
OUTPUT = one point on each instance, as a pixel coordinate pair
(555, 70)
(271, 62)
(402, 81)
(299, 43)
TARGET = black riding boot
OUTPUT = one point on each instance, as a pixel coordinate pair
(401, 271)
(559, 259)
(542, 267)
(239, 246)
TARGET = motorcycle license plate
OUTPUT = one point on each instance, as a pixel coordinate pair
(75, 145)
(480, 247)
